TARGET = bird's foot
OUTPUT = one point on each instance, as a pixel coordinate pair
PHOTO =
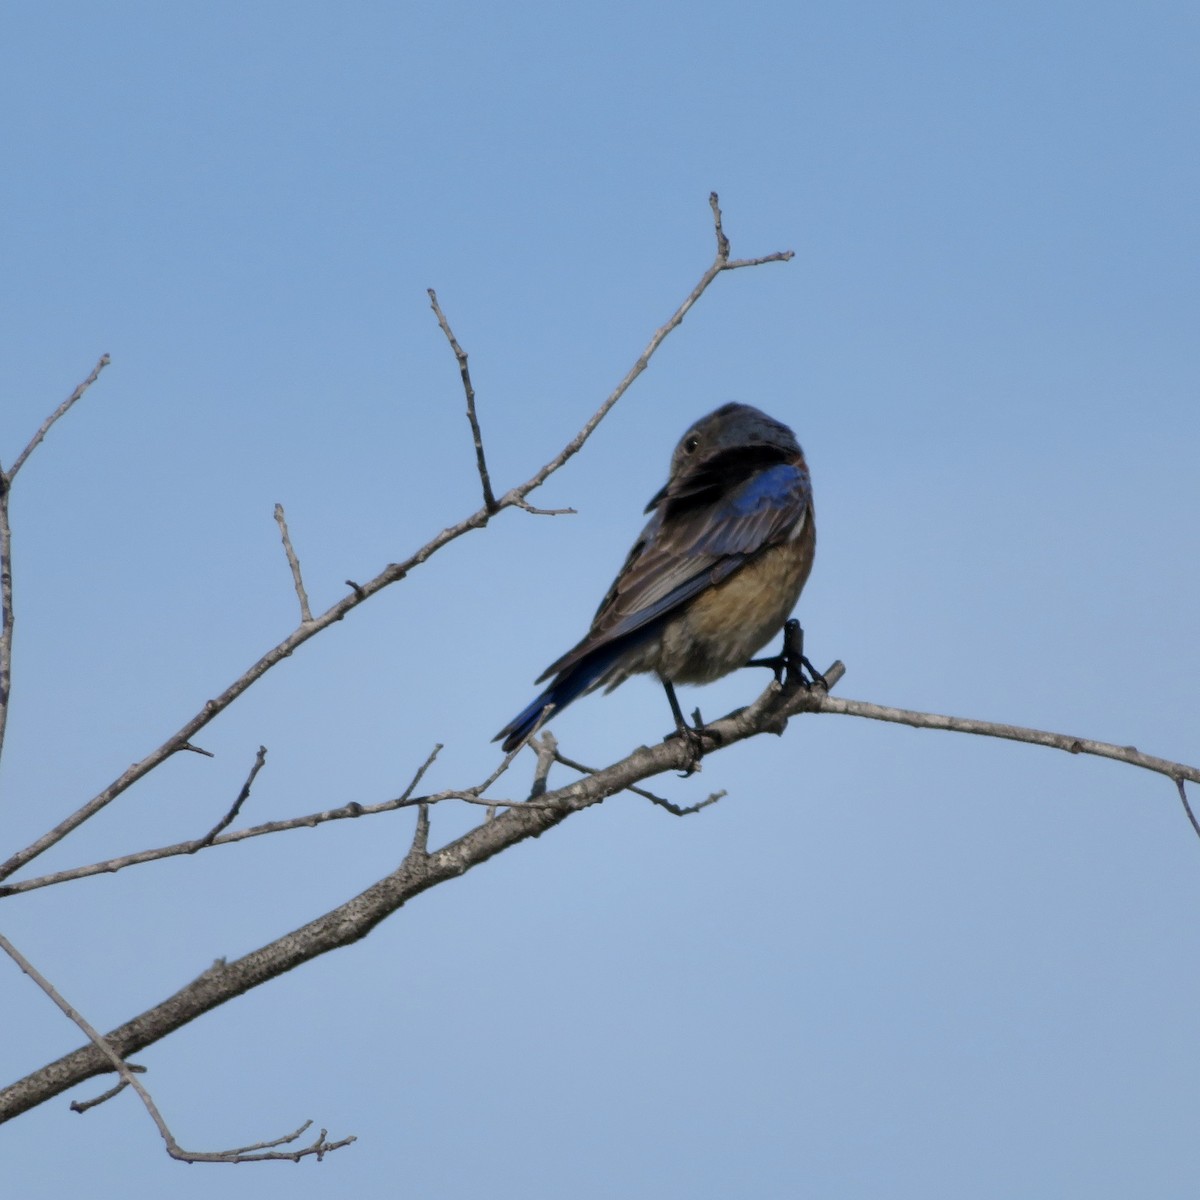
(699, 739)
(694, 740)
(789, 665)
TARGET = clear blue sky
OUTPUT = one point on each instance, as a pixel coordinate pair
(889, 963)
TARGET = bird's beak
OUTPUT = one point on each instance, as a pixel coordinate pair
(657, 498)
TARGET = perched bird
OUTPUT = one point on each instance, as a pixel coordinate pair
(712, 577)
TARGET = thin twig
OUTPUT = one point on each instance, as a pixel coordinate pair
(216, 838)
(7, 610)
(420, 773)
(723, 244)
(294, 563)
(489, 498)
(60, 411)
(345, 812)
(818, 701)
(687, 810)
(207, 840)
(722, 262)
(1187, 808)
(674, 809)
(82, 1106)
(545, 512)
(130, 1079)
(722, 240)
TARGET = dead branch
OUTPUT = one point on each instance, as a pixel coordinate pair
(348, 811)
(420, 871)
(258, 1152)
(818, 701)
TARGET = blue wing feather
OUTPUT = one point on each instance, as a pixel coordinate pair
(677, 557)
(680, 554)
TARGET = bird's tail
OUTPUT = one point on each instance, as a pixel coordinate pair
(567, 686)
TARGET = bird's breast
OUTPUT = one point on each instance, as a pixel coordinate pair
(729, 623)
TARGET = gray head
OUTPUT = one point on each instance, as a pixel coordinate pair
(725, 447)
(731, 427)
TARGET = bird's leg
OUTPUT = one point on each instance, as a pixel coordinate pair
(791, 661)
(692, 734)
(681, 725)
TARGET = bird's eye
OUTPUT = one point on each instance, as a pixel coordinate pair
(690, 445)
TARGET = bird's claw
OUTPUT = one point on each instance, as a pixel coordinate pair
(790, 663)
(694, 736)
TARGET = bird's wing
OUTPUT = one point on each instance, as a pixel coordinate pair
(680, 553)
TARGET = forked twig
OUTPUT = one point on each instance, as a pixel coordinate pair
(722, 262)
(258, 1152)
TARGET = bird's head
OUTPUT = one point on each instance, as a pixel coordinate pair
(721, 450)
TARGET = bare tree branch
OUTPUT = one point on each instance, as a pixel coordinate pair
(544, 512)
(460, 355)
(420, 871)
(7, 610)
(207, 840)
(60, 411)
(259, 1152)
(673, 809)
(197, 750)
(348, 811)
(818, 701)
(814, 701)
(294, 563)
(362, 592)
(722, 262)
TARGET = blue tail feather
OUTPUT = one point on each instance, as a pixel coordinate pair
(570, 685)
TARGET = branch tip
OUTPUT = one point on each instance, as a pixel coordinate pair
(294, 564)
(722, 241)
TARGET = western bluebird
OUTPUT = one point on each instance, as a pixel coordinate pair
(713, 575)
